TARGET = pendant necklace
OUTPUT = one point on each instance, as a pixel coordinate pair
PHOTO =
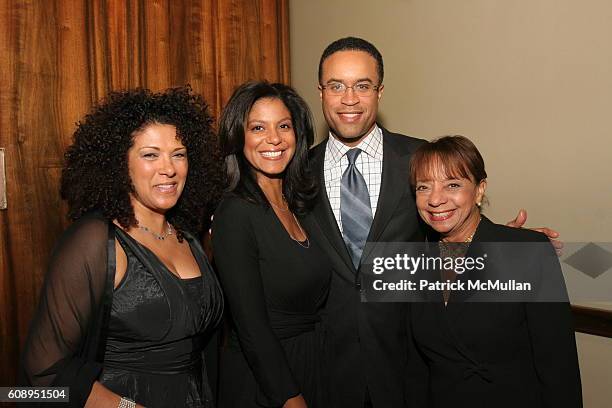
(160, 237)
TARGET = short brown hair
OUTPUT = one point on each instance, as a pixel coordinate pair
(456, 156)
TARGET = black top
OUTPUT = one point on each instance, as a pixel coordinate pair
(275, 288)
(157, 329)
(496, 354)
(73, 330)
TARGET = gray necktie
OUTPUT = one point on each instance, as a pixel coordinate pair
(355, 208)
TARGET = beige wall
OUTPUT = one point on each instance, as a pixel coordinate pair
(529, 81)
(595, 357)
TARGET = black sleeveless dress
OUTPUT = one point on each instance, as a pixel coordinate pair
(157, 330)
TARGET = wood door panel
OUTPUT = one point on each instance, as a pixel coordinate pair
(61, 56)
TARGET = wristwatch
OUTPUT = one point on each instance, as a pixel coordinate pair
(126, 403)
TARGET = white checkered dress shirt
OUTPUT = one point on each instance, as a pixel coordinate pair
(369, 163)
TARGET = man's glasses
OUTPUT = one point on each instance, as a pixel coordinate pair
(360, 88)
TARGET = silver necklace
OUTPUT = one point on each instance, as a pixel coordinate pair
(278, 207)
(160, 237)
(303, 244)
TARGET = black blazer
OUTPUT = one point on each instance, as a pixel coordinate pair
(367, 341)
(498, 354)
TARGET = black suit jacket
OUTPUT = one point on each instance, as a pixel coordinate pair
(367, 341)
(499, 354)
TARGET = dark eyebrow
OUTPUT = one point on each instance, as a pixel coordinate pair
(357, 81)
(157, 148)
(264, 122)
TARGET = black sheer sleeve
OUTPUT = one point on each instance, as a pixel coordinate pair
(64, 335)
(236, 254)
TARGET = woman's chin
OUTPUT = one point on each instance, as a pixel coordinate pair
(442, 231)
(440, 227)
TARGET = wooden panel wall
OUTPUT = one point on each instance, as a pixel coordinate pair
(58, 57)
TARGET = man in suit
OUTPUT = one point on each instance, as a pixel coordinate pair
(365, 197)
(367, 341)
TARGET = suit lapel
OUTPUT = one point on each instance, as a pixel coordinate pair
(324, 215)
(393, 184)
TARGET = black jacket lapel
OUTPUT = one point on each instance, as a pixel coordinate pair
(393, 185)
(323, 211)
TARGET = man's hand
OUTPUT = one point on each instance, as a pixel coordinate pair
(520, 220)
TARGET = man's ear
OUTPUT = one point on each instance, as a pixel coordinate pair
(381, 88)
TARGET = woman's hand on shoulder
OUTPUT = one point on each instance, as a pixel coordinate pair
(296, 402)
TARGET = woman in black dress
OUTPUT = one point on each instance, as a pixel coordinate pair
(273, 270)
(129, 295)
(486, 347)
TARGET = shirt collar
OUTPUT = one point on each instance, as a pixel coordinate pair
(370, 145)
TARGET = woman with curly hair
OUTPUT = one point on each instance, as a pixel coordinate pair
(269, 253)
(129, 296)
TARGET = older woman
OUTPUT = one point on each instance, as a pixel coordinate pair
(271, 265)
(129, 295)
(494, 354)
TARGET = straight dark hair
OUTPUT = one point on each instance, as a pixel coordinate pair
(299, 186)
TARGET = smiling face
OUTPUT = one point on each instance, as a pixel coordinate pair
(269, 139)
(350, 117)
(448, 204)
(157, 164)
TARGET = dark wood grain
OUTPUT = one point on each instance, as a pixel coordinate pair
(61, 56)
(597, 322)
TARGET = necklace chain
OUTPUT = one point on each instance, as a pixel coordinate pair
(303, 244)
(286, 209)
(306, 243)
(160, 237)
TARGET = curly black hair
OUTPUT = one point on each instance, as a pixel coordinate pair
(95, 175)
